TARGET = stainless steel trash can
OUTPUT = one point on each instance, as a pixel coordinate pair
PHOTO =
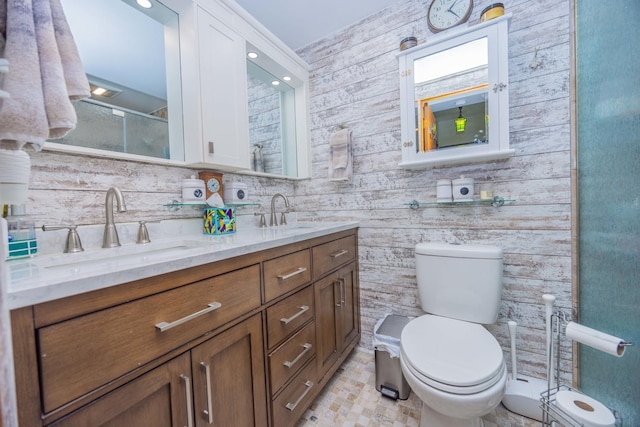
(386, 338)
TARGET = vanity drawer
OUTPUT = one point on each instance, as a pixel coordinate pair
(330, 255)
(81, 354)
(291, 356)
(285, 273)
(295, 398)
(288, 315)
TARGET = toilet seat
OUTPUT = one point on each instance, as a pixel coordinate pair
(452, 355)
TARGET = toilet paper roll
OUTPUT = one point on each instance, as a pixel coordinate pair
(596, 339)
(582, 408)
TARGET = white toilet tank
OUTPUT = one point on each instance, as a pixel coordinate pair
(460, 281)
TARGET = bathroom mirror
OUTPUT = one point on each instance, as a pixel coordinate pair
(454, 97)
(131, 56)
(272, 115)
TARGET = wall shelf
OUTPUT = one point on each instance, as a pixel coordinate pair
(496, 202)
(175, 205)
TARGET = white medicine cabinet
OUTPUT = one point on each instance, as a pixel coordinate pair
(454, 97)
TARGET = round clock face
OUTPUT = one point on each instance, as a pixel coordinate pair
(445, 14)
(213, 185)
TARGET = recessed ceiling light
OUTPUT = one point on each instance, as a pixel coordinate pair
(275, 83)
(252, 55)
(144, 3)
(286, 78)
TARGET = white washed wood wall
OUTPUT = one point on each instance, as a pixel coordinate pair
(355, 83)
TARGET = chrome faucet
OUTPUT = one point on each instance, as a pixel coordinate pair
(110, 237)
(283, 219)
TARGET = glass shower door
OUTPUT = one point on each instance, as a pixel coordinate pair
(608, 104)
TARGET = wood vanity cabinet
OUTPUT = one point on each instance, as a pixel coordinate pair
(248, 341)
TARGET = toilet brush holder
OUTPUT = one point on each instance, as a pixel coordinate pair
(522, 393)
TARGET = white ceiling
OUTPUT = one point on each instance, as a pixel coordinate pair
(299, 22)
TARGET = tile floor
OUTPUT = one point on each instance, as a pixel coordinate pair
(351, 400)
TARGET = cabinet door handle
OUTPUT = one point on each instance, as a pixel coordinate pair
(211, 148)
(187, 386)
(343, 291)
(292, 406)
(209, 411)
(299, 270)
(307, 347)
(303, 309)
(165, 326)
(339, 253)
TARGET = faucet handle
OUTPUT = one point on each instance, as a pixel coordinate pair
(143, 233)
(263, 220)
(73, 243)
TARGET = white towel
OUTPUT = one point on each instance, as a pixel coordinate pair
(45, 73)
(341, 158)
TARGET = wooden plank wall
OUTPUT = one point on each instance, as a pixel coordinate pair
(355, 83)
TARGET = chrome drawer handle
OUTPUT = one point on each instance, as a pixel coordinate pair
(165, 326)
(307, 347)
(337, 254)
(303, 309)
(294, 273)
(292, 406)
(187, 386)
(209, 411)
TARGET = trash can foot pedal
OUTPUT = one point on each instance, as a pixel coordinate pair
(389, 392)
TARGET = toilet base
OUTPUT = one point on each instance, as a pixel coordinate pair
(431, 418)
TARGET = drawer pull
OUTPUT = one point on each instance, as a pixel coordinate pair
(165, 326)
(209, 411)
(187, 387)
(340, 253)
(307, 347)
(292, 406)
(303, 309)
(293, 273)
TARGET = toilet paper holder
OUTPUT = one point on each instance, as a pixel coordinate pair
(553, 414)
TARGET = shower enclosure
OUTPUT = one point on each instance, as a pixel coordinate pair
(608, 159)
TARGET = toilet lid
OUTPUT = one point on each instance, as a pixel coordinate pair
(451, 352)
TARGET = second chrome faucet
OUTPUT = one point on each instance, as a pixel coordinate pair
(283, 219)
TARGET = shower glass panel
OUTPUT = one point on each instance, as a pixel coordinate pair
(608, 102)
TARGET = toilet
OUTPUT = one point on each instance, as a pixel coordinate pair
(452, 363)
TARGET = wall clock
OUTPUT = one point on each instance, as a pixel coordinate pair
(212, 182)
(444, 14)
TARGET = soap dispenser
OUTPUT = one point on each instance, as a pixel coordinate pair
(22, 233)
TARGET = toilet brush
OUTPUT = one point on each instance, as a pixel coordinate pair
(522, 393)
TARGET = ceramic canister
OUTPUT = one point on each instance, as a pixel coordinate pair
(193, 190)
(443, 190)
(462, 189)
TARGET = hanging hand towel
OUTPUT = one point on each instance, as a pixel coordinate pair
(340, 159)
(41, 51)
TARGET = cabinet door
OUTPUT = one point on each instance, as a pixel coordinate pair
(229, 378)
(327, 300)
(223, 80)
(348, 320)
(159, 398)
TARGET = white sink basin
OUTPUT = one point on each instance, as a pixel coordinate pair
(120, 256)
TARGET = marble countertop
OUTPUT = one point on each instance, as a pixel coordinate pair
(51, 276)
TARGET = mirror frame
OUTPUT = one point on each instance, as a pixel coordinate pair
(496, 31)
(185, 9)
(255, 33)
